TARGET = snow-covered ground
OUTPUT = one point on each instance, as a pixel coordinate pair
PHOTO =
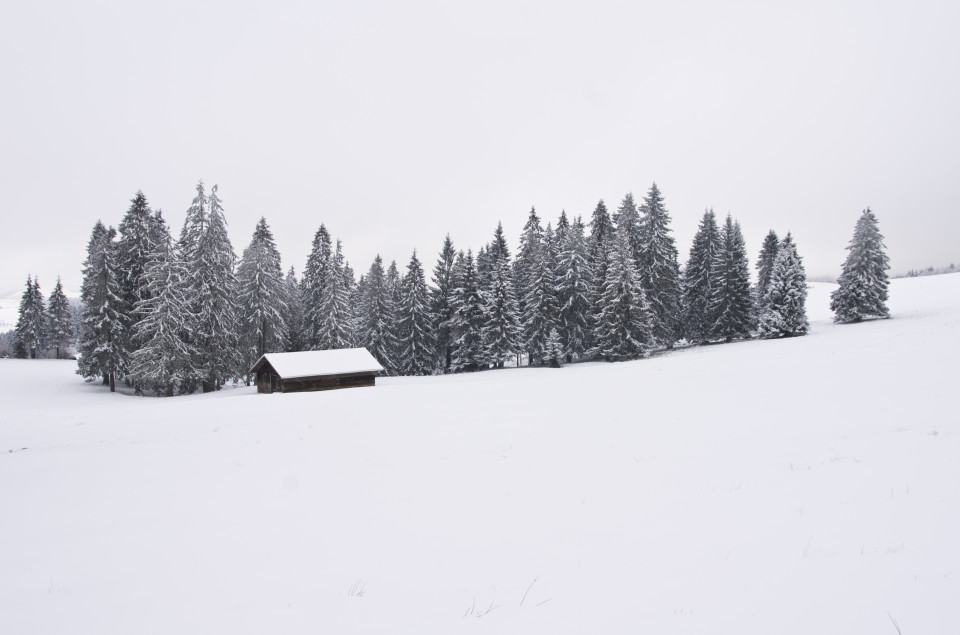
(809, 485)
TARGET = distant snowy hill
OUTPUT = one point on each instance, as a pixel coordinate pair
(797, 486)
(9, 310)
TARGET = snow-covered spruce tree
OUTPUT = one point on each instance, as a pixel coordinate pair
(863, 283)
(768, 254)
(536, 285)
(102, 338)
(441, 302)
(31, 325)
(553, 351)
(133, 250)
(376, 326)
(59, 321)
(312, 287)
(293, 317)
(731, 300)
(541, 305)
(574, 291)
(207, 253)
(502, 331)
(393, 284)
(624, 328)
(468, 319)
(660, 269)
(698, 280)
(599, 244)
(334, 312)
(784, 312)
(628, 216)
(261, 299)
(164, 352)
(415, 322)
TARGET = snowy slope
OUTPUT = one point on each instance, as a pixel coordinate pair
(800, 486)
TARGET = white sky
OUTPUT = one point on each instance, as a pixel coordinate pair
(396, 123)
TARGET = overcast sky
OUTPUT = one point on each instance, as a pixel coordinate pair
(395, 123)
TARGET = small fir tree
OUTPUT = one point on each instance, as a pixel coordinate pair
(554, 353)
(784, 312)
(59, 321)
(862, 291)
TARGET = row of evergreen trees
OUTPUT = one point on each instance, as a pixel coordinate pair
(180, 316)
(43, 327)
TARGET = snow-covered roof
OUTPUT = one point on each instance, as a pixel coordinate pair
(311, 363)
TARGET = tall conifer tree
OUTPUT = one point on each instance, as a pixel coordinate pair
(731, 301)
(261, 299)
(699, 281)
(209, 257)
(334, 312)
(574, 292)
(377, 320)
(313, 287)
(415, 322)
(31, 325)
(59, 321)
(502, 330)
(863, 283)
(624, 325)
(468, 318)
(441, 302)
(164, 352)
(768, 254)
(659, 269)
(133, 251)
(102, 335)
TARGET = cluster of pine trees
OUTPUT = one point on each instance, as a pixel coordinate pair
(43, 328)
(180, 316)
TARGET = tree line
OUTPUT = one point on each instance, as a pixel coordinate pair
(177, 316)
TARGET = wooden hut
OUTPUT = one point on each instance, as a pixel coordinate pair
(315, 370)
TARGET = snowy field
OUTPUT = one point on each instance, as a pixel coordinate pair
(809, 485)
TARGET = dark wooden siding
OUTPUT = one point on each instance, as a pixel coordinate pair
(327, 382)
